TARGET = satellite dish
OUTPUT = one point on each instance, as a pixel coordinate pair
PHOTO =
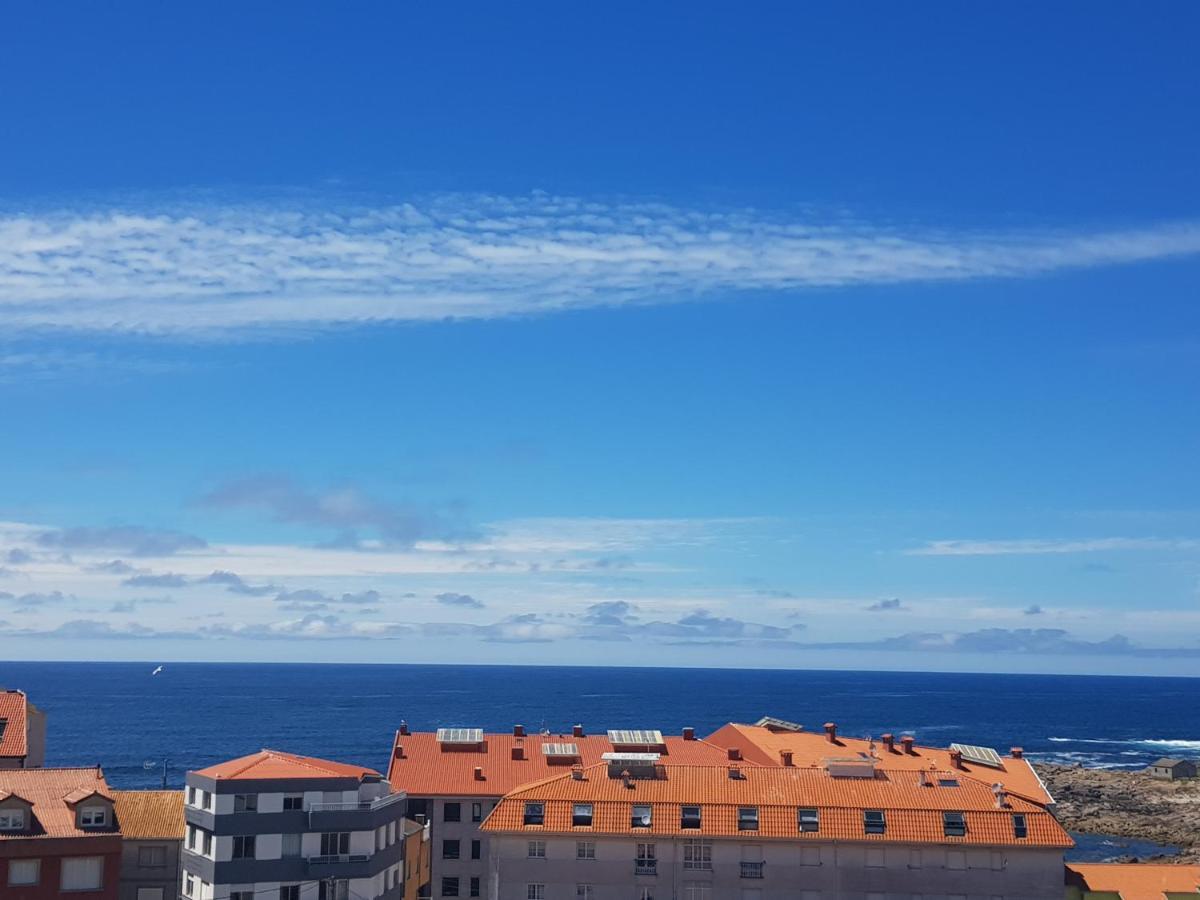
(645, 821)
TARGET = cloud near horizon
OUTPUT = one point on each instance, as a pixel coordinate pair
(225, 270)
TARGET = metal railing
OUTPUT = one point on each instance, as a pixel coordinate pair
(331, 858)
(645, 867)
(752, 870)
(357, 805)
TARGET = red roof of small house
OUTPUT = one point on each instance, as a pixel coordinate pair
(913, 809)
(13, 715)
(425, 768)
(765, 746)
(143, 815)
(272, 764)
(47, 791)
(1134, 881)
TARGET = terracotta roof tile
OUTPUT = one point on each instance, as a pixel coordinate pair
(270, 764)
(45, 790)
(913, 811)
(763, 746)
(150, 814)
(13, 705)
(1134, 881)
(428, 769)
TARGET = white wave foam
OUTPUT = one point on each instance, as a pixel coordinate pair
(1139, 742)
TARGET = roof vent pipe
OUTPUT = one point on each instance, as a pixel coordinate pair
(831, 732)
(399, 751)
(689, 734)
(403, 727)
(1000, 794)
(479, 773)
(518, 731)
(889, 742)
(785, 757)
(1018, 752)
(577, 731)
(906, 742)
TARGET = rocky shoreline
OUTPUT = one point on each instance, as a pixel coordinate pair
(1127, 804)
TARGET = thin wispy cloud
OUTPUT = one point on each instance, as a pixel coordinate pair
(213, 270)
(1032, 547)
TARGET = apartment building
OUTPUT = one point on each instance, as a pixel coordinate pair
(58, 835)
(847, 828)
(276, 825)
(152, 828)
(455, 776)
(22, 732)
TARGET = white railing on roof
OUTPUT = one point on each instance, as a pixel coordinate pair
(354, 806)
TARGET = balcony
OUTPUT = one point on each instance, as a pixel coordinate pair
(645, 867)
(752, 870)
(357, 815)
(359, 806)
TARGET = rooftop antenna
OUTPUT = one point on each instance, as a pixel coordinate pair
(150, 765)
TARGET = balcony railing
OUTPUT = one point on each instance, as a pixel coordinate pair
(331, 858)
(645, 867)
(378, 803)
(752, 870)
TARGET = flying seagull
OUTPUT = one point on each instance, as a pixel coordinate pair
(156, 671)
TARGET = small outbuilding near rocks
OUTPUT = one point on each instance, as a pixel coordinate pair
(1172, 769)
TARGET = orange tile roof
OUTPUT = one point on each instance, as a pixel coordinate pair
(46, 790)
(271, 764)
(913, 811)
(1134, 881)
(763, 746)
(13, 705)
(428, 770)
(150, 814)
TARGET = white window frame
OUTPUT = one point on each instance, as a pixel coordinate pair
(697, 854)
(12, 819)
(93, 816)
(535, 891)
(536, 850)
(585, 849)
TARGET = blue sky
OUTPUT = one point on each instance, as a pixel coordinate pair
(823, 338)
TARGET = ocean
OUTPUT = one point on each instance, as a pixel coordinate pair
(193, 714)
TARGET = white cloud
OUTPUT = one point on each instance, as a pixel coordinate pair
(223, 270)
(1030, 547)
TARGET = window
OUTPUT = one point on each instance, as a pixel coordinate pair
(23, 872)
(645, 863)
(947, 782)
(874, 821)
(290, 848)
(450, 885)
(156, 893)
(451, 812)
(93, 816)
(449, 849)
(954, 824)
(697, 892)
(875, 858)
(585, 849)
(581, 815)
(245, 803)
(476, 812)
(747, 818)
(689, 817)
(289, 892)
(475, 849)
(475, 885)
(82, 873)
(333, 890)
(189, 885)
(243, 846)
(956, 860)
(584, 892)
(206, 800)
(191, 795)
(241, 895)
(335, 843)
(1020, 828)
(697, 853)
(646, 893)
(535, 892)
(642, 817)
(535, 813)
(537, 850)
(808, 820)
(152, 856)
(293, 802)
(12, 819)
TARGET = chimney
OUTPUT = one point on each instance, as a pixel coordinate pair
(889, 742)
(627, 779)
(403, 727)
(689, 734)
(577, 731)
(479, 773)
(1000, 794)
(577, 772)
(831, 732)
(1017, 752)
(785, 757)
(735, 753)
(518, 731)
(956, 758)
(399, 751)
(518, 752)
(906, 741)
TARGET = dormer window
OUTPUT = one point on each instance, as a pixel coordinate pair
(12, 819)
(809, 820)
(93, 817)
(535, 814)
(874, 821)
(1020, 827)
(954, 824)
(581, 815)
(642, 816)
(748, 818)
(689, 817)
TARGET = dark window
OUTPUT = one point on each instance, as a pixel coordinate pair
(581, 815)
(449, 849)
(947, 782)
(641, 816)
(748, 818)
(245, 802)
(335, 843)
(293, 802)
(289, 892)
(452, 812)
(954, 824)
(874, 821)
(474, 849)
(689, 817)
(241, 895)
(476, 812)
(809, 820)
(152, 857)
(1020, 829)
(450, 885)
(333, 890)
(243, 846)
(475, 886)
(535, 813)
